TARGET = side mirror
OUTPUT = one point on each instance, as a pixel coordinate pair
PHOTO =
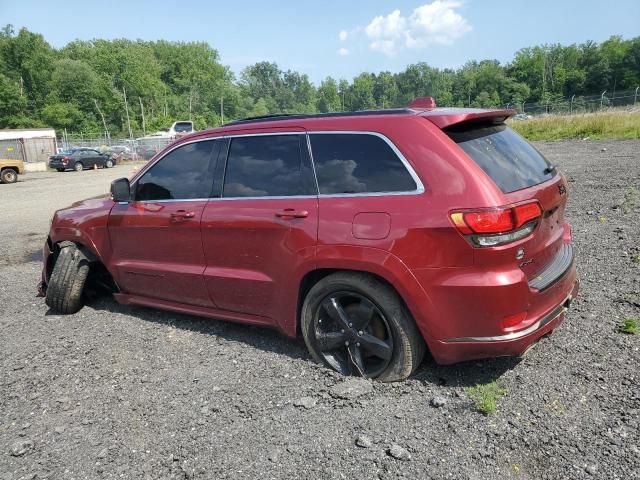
(120, 190)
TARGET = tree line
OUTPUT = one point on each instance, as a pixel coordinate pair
(83, 85)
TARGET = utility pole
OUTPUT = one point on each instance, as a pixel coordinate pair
(144, 125)
(544, 68)
(190, 102)
(126, 107)
(166, 107)
(106, 131)
(21, 85)
(221, 110)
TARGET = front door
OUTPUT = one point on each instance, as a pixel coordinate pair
(156, 240)
(262, 229)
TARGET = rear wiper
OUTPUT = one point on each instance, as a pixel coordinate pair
(549, 169)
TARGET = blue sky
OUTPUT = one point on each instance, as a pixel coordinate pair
(336, 38)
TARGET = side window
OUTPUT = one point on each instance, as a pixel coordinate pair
(358, 163)
(265, 166)
(184, 173)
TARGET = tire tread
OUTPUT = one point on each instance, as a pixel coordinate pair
(64, 292)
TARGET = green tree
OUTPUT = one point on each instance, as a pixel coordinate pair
(328, 96)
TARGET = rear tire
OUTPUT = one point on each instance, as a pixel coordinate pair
(8, 175)
(64, 292)
(387, 347)
(108, 164)
(78, 167)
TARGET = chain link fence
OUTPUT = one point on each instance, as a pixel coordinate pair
(580, 104)
(142, 148)
(11, 150)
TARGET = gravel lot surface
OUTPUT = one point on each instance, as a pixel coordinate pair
(125, 392)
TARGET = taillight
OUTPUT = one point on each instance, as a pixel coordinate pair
(491, 227)
(65, 159)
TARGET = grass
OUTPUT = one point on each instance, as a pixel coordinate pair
(606, 125)
(485, 397)
(630, 326)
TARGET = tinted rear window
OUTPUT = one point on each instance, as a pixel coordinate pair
(358, 163)
(510, 161)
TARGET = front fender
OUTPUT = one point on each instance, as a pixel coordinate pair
(84, 223)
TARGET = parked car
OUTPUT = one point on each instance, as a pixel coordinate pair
(374, 235)
(118, 149)
(10, 169)
(80, 158)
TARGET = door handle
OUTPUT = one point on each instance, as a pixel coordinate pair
(181, 215)
(288, 213)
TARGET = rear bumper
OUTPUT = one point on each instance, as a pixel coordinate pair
(460, 349)
(58, 164)
(467, 307)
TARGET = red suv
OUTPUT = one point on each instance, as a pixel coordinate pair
(375, 235)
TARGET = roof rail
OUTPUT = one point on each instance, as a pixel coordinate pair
(290, 116)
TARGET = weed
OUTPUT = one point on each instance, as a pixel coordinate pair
(555, 406)
(486, 396)
(630, 326)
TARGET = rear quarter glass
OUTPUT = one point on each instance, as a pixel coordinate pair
(506, 157)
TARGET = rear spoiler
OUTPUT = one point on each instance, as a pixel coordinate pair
(448, 117)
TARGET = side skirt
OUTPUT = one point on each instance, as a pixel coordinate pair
(126, 299)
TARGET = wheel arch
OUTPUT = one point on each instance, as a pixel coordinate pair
(98, 269)
(378, 263)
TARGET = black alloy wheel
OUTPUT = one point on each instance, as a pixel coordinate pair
(353, 335)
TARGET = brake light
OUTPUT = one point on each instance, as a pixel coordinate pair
(497, 226)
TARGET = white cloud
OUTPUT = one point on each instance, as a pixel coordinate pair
(432, 23)
(343, 52)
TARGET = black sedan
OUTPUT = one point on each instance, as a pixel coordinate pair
(80, 158)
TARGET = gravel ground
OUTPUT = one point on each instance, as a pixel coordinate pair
(125, 392)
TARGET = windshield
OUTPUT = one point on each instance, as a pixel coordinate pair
(510, 161)
(183, 127)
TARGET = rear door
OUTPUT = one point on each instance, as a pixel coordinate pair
(263, 226)
(96, 158)
(156, 240)
(522, 173)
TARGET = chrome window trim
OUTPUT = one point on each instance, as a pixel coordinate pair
(171, 200)
(313, 164)
(419, 185)
(418, 191)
